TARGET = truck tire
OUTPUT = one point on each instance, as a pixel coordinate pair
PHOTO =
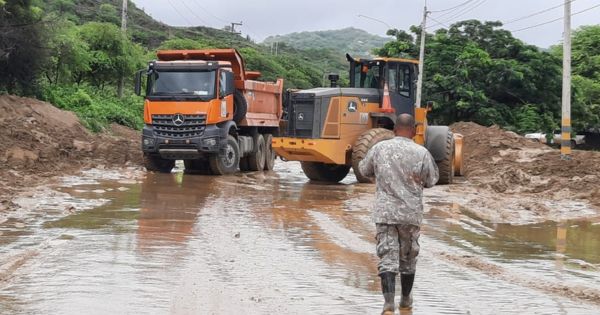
(199, 167)
(240, 106)
(440, 143)
(256, 160)
(227, 161)
(270, 153)
(362, 145)
(155, 163)
(321, 172)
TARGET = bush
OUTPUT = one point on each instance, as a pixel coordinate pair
(97, 110)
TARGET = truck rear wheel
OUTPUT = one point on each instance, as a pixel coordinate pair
(270, 153)
(362, 145)
(440, 143)
(227, 161)
(155, 163)
(199, 166)
(321, 172)
(256, 160)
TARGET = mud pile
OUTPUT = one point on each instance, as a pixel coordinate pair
(509, 163)
(40, 140)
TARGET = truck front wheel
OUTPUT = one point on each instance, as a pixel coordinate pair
(155, 163)
(227, 160)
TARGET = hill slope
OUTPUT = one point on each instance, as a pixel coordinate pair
(348, 40)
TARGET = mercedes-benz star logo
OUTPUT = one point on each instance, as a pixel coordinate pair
(300, 116)
(178, 119)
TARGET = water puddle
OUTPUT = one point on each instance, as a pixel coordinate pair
(262, 242)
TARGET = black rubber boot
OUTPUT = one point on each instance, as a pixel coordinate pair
(388, 288)
(407, 281)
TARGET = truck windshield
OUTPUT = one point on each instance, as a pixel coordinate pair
(200, 84)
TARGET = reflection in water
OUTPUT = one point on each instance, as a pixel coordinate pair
(169, 207)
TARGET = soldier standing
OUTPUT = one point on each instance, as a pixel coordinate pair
(401, 169)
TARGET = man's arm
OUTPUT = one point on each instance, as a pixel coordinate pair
(429, 173)
(366, 166)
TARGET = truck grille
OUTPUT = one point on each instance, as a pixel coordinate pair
(165, 125)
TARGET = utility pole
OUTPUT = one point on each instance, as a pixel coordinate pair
(565, 145)
(421, 57)
(124, 30)
(233, 24)
(124, 16)
(276, 48)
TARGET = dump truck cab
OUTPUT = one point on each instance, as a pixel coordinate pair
(202, 107)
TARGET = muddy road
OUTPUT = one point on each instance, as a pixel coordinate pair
(126, 242)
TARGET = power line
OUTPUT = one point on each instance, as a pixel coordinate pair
(462, 12)
(179, 13)
(193, 13)
(210, 13)
(439, 23)
(452, 8)
(555, 20)
(535, 14)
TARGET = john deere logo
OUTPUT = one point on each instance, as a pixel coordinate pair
(178, 119)
(300, 116)
(352, 106)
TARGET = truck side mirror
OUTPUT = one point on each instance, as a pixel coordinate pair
(229, 83)
(138, 82)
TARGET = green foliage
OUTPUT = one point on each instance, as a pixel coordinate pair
(479, 72)
(20, 40)
(97, 109)
(183, 43)
(348, 40)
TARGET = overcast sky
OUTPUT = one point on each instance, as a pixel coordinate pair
(262, 18)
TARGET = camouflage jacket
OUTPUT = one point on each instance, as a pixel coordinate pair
(401, 168)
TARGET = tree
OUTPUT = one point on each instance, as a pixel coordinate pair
(70, 58)
(477, 71)
(113, 54)
(21, 46)
(183, 43)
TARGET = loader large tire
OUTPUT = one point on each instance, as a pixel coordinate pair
(362, 145)
(227, 161)
(321, 172)
(155, 163)
(256, 160)
(270, 153)
(197, 167)
(440, 143)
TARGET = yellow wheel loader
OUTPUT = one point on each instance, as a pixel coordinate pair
(329, 130)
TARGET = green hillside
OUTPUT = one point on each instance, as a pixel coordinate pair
(73, 54)
(348, 40)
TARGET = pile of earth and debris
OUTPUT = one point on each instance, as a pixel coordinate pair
(509, 163)
(38, 140)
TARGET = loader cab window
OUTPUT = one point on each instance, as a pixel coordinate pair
(368, 75)
(188, 84)
(399, 79)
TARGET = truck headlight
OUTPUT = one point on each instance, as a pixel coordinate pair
(209, 142)
(148, 142)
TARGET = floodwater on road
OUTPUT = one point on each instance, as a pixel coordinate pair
(260, 243)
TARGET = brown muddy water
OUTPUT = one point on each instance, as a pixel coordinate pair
(123, 243)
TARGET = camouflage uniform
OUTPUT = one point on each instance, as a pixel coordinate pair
(401, 168)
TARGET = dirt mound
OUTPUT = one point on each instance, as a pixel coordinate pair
(40, 140)
(508, 163)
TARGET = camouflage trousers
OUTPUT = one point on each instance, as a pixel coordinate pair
(397, 248)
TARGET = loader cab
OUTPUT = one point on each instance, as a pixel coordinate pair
(399, 75)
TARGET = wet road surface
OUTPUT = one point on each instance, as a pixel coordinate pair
(271, 243)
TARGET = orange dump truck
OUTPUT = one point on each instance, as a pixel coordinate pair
(203, 107)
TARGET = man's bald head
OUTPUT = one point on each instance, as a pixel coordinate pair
(405, 126)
